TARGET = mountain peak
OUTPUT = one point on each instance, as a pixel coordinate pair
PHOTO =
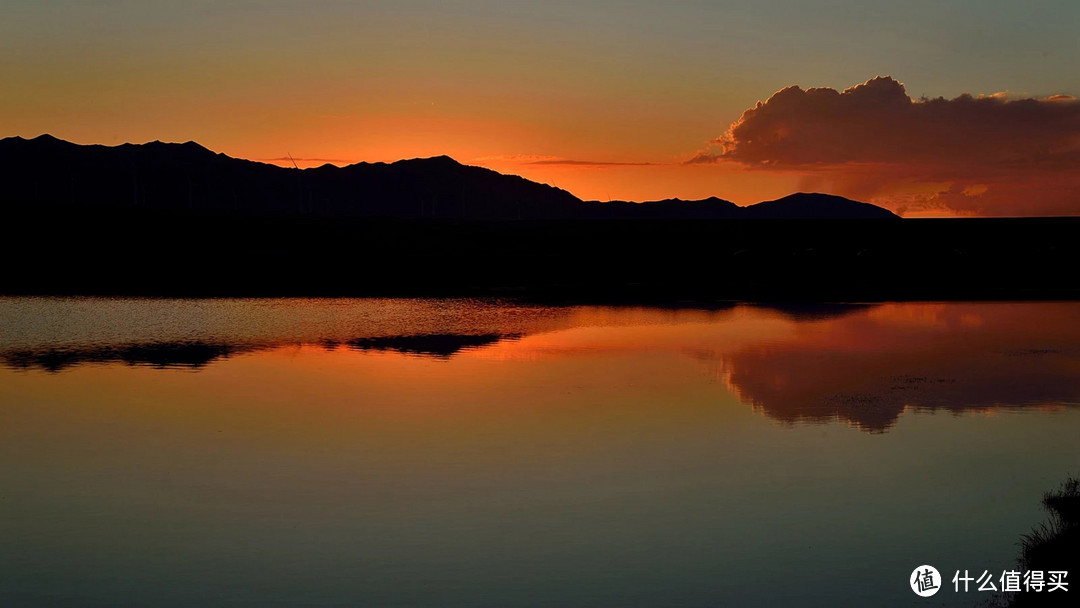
(815, 205)
(190, 146)
(441, 159)
(40, 142)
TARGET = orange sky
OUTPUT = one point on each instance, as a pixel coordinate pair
(608, 100)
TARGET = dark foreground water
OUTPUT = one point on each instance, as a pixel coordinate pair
(476, 453)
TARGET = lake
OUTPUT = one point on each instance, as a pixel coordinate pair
(336, 452)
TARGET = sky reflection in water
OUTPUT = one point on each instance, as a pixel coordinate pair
(374, 452)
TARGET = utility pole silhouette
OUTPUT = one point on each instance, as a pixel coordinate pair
(299, 183)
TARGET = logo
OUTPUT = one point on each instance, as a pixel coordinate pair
(925, 581)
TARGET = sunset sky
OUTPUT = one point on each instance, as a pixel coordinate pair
(929, 108)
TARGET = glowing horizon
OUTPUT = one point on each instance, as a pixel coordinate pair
(606, 101)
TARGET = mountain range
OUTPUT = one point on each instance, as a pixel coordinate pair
(188, 177)
(162, 219)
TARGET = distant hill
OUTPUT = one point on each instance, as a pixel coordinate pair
(672, 208)
(805, 205)
(802, 205)
(188, 177)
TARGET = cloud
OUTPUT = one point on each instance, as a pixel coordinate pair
(878, 122)
(301, 159)
(703, 158)
(589, 163)
(545, 160)
(988, 154)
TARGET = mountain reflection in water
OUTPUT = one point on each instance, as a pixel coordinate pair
(860, 364)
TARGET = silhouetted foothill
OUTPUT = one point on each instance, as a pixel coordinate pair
(804, 205)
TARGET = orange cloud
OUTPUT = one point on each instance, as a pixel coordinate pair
(973, 154)
(878, 122)
(590, 163)
(558, 161)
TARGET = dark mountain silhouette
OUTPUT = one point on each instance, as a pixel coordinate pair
(672, 208)
(804, 205)
(188, 177)
(177, 219)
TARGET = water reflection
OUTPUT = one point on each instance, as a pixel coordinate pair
(55, 334)
(861, 364)
(442, 346)
(193, 355)
(473, 453)
(866, 369)
(197, 354)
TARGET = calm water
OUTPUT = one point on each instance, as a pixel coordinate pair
(478, 453)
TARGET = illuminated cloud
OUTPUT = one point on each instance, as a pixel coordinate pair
(987, 154)
(878, 122)
(704, 158)
(589, 163)
(558, 161)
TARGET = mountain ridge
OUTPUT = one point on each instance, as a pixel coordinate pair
(188, 176)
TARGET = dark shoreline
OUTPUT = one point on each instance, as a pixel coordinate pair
(125, 251)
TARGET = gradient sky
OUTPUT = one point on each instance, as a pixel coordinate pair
(606, 99)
